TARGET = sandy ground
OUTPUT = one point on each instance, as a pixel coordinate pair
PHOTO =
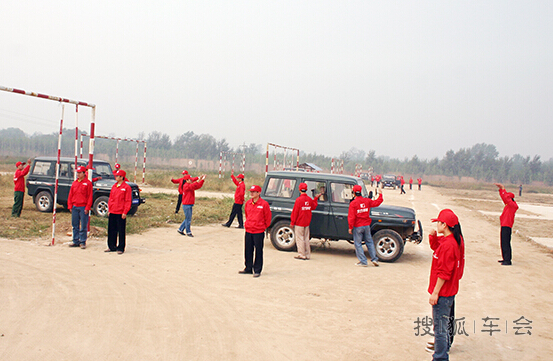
(171, 297)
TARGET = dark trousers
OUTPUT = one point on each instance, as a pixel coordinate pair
(402, 190)
(116, 227)
(236, 211)
(17, 203)
(254, 242)
(506, 251)
(179, 202)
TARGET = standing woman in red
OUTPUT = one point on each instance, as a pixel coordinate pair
(119, 204)
(448, 264)
(507, 219)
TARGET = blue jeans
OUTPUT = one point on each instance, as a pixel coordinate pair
(364, 233)
(441, 316)
(79, 221)
(187, 209)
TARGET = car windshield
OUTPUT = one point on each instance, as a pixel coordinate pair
(389, 178)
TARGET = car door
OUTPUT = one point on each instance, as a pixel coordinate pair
(64, 181)
(341, 194)
(322, 226)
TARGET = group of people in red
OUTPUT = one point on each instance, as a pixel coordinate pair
(377, 179)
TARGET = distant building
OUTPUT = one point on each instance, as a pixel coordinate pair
(310, 167)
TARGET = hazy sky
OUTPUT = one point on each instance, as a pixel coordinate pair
(402, 78)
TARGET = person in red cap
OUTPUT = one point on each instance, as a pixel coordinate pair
(301, 219)
(19, 186)
(507, 219)
(258, 219)
(448, 264)
(180, 181)
(402, 183)
(117, 168)
(238, 201)
(410, 183)
(79, 203)
(419, 182)
(359, 222)
(188, 199)
(119, 204)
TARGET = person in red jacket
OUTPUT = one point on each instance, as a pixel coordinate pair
(180, 181)
(188, 199)
(79, 203)
(238, 201)
(19, 186)
(258, 219)
(507, 219)
(419, 181)
(119, 204)
(448, 264)
(359, 222)
(402, 183)
(301, 219)
(410, 183)
(117, 168)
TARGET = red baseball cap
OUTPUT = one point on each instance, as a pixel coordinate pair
(255, 188)
(117, 165)
(448, 217)
(120, 173)
(19, 163)
(510, 195)
(303, 186)
(357, 188)
(81, 169)
(187, 177)
(185, 172)
(240, 176)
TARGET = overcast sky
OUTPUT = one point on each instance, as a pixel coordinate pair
(402, 78)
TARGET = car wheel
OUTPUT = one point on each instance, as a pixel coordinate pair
(133, 210)
(44, 201)
(282, 236)
(388, 245)
(100, 206)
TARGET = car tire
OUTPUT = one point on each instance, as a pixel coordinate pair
(388, 245)
(282, 236)
(133, 210)
(100, 207)
(44, 201)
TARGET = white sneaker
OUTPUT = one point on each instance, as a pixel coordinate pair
(361, 264)
(375, 263)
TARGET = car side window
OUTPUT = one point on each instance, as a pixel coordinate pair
(341, 192)
(65, 170)
(280, 187)
(44, 168)
(317, 187)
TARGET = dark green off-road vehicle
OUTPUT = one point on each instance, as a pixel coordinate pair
(391, 227)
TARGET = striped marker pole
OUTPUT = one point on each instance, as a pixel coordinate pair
(144, 165)
(57, 177)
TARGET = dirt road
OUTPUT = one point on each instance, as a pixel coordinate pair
(171, 297)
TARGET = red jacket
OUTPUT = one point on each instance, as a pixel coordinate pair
(360, 211)
(507, 218)
(180, 181)
(301, 214)
(258, 216)
(80, 194)
(120, 199)
(448, 263)
(188, 192)
(19, 178)
(240, 190)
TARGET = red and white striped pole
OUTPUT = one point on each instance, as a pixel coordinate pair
(298, 161)
(117, 150)
(57, 177)
(267, 161)
(136, 161)
(76, 140)
(243, 167)
(91, 143)
(220, 162)
(332, 166)
(144, 165)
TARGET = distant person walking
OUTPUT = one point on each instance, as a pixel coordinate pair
(188, 200)
(410, 183)
(520, 190)
(238, 201)
(301, 219)
(402, 182)
(180, 181)
(19, 186)
(419, 181)
(258, 219)
(119, 204)
(448, 264)
(79, 203)
(359, 223)
(507, 220)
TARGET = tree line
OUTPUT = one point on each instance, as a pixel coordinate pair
(480, 161)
